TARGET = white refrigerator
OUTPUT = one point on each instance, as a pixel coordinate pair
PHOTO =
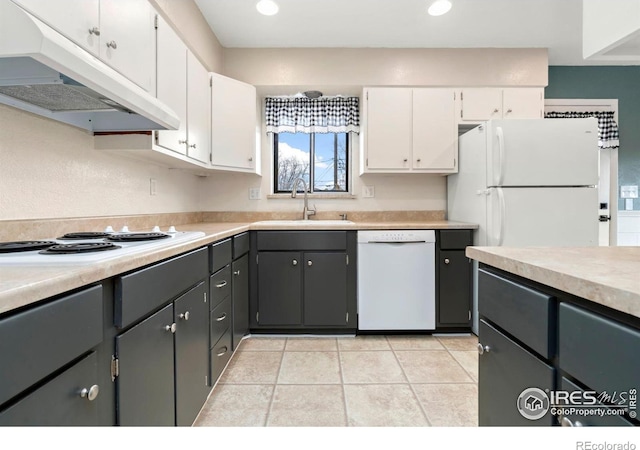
(527, 182)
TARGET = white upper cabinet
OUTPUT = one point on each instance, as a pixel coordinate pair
(409, 130)
(198, 110)
(479, 104)
(127, 39)
(120, 33)
(172, 84)
(233, 125)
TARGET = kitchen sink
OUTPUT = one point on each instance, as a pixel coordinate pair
(304, 223)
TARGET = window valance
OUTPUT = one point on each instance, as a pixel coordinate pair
(312, 115)
(607, 127)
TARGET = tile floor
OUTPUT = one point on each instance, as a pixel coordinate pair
(362, 381)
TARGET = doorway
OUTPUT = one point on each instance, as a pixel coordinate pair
(608, 184)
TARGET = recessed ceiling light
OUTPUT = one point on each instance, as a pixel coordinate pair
(267, 7)
(439, 7)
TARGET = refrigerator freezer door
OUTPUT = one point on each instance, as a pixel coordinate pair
(542, 152)
(543, 216)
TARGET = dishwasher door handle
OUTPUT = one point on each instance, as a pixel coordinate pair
(397, 242)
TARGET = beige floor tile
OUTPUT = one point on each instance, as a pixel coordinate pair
(468, 361)
(236, 406)
(262, 344)
(310, 368)
(422, 366)
(383, 405)
(308, 406)
(311, 344)
(371, 367)
(363, 342)
(417, 342)
(459, 342)
(449, 405)
(252, 368)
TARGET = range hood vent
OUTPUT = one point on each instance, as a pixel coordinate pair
(44, 73)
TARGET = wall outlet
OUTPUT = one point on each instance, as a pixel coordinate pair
(254, 193)
(368, 192)
(153, 186)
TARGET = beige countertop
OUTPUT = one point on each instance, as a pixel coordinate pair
(609, 276)
(22, 286)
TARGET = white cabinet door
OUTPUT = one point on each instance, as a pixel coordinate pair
(523, 103)
(434, 130)
(127, 39)
(233, 124)
(172, 84)
(480, 104)
(71, 18)
(198, 110)
(389, 128)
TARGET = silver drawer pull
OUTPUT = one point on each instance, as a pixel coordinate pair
(91, 393)
(309, 263)
(482, 349)
(95, 31)
(224, 350)
(112, 44)
(171, 328)
(446, 261)
(294, 262)
(184, 316)
(221, 318)
(236, 273)
(221, 285)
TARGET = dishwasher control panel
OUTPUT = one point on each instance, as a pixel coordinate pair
(372, 236)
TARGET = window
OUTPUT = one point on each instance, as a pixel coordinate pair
(311, 140)
(294, 152)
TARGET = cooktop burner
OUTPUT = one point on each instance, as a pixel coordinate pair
(132, 237)
(83, 247)
(85, 235)
(24, 246)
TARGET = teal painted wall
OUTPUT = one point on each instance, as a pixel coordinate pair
(621, 82)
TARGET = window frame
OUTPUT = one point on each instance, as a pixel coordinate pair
(312, 139)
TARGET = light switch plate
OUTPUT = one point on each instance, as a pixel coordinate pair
(153, 186)
(254, 193)
(368, 192)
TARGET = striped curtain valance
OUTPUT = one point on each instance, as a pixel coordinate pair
(312, 115)
(608, 136)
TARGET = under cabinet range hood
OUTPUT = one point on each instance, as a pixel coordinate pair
(43, 72)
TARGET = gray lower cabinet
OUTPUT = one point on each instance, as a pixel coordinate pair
(305, 281)
(50, 363)
(240, 270)
(453, 275)
(582, 355)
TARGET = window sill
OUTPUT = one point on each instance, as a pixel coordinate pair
(329, 196)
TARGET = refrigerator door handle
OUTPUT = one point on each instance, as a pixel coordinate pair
(500, 139)
(502, 217)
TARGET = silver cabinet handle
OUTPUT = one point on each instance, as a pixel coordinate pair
(446, 261)
(495, 110)
(405, 160)
(171, 328)
(192, 146)
(251, 158)
(184, 316)
(294, 262)
(112, 44)
(95, 31)
(91, 393)
(309, 263)
(182, 141)
(418, 160)
(482, 349)
(509, 111)
(236, 273)
(224, 350)
(222, 317)
(221, 285)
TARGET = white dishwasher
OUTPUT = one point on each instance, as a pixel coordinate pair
(396, 280)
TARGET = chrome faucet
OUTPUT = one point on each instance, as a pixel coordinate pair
(306, 212)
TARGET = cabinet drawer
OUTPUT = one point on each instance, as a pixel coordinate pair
(59, 403)
(220, 255)
(141, 292)
(39, 341)
(594, 420)
(455, 239)
(220, 320)
(523, 312)
(220, 286)
(220, 355)
(240, 245)
(504, 372)
(302, 240)
(601, 353)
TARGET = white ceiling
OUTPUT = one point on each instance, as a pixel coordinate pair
(552, 24)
